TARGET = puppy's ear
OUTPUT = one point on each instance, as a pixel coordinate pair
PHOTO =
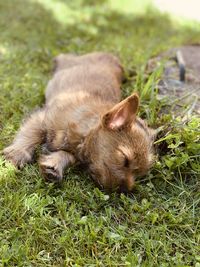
(122, 114)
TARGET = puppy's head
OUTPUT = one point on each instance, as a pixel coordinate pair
(120, 148)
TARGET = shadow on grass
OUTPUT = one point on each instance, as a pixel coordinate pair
(33, 25)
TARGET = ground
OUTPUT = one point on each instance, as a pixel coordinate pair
(76, 224)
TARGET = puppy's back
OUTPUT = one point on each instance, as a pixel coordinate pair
(98, 74)
(66, 61)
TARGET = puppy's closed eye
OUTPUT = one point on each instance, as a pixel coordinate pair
(124, 157)
(126, 162)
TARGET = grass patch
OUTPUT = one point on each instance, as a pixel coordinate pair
(76, 224)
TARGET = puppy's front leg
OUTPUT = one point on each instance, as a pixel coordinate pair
(52, 165)
(30, 135)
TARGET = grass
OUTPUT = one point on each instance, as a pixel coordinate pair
(77, 224)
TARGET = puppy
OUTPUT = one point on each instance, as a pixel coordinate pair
(83, 121)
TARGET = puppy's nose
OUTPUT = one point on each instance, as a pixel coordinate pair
(128, 183)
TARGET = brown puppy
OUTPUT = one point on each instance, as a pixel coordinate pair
(84, 121)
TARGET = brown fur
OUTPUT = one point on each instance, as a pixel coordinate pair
(84, 121)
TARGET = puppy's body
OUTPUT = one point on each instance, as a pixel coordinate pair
(83, 121)
(80, 92)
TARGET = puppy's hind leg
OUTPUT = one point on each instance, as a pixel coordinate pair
(52, 166)
(31, 134)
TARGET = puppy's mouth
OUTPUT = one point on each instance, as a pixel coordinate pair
(125, 186)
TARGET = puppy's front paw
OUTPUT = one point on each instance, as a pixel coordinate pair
(50, 168)
(17, 156)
